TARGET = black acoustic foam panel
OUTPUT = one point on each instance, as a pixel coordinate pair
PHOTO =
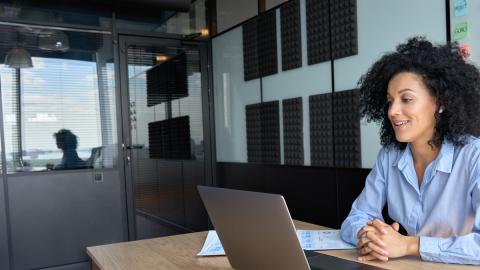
(270, 132)
(318, 32)
(343, 23)
(263, 132)
(254, 132)
(167, 81)
(321, 130)
(250, 50)
(267, 43)
(291, 35)
(170, 139)
(260, 46)
(293, 131)
(346, 129)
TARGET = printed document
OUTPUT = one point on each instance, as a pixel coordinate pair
(309, 240)
(321, 240)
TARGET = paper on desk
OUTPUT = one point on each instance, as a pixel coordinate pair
(309, 240)
(321, 240)
(212, 245)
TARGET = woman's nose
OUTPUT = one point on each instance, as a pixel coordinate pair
(394, 109)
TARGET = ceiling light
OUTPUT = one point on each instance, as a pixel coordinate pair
(204, 32)
(161, 58)
(53, 41)
(18, 57)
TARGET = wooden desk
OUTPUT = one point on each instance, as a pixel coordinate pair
(179, 252)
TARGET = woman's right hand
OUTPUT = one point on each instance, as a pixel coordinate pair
(370, 246)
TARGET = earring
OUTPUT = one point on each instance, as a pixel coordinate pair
(440, 110)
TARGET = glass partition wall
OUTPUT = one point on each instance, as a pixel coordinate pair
(62, 184)
(58, 101)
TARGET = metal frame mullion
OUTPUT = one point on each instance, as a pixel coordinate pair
(5, 184)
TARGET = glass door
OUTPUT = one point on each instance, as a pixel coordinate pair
(166, 129)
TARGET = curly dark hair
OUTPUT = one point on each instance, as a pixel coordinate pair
(450, 79)
(66, 140)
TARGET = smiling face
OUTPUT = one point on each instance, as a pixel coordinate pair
(411, 108)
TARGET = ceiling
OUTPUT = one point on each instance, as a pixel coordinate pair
(139, 7)
(85, 12)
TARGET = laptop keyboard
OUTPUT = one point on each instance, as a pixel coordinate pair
(318, 261)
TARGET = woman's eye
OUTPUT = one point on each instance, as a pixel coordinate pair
(406, 100)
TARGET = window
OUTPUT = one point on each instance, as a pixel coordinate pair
(60, 113)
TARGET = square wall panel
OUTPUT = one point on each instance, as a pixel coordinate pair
(267, 43)
(250, 50)
(346, 129)
(321, 130)
(254, 132)
(260, 46)
(263, 132)
(318, 31)
(170, 139)
(291, 35)
(293, 131)
(343, 26)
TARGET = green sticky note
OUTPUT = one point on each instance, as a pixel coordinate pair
(461, 30)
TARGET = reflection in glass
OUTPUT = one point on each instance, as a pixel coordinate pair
(188, 23)
(67, 142)
(45, 12)
(166, 127)
(68, 88)
(165, 85)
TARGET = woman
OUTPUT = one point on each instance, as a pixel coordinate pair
(67, 142)
(427, 99)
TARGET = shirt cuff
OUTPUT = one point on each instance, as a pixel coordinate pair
(429, 247)
(349, 233)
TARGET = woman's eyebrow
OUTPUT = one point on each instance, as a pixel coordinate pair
(402, 91)
(406, 89)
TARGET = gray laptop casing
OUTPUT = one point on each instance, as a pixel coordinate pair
(255, 229)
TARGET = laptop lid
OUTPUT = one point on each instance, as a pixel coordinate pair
(255, 229)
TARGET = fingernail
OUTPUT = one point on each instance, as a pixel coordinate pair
(360, 258)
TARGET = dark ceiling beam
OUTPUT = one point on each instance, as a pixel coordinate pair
(133, 7)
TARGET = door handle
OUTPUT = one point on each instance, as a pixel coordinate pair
(135, 146)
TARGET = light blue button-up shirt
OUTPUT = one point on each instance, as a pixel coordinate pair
(444, 211)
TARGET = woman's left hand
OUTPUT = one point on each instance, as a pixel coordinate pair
(395, 244)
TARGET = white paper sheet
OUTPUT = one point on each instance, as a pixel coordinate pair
(309, 240)
(212, 245)
(322, 240)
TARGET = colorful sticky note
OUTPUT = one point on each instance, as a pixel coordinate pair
(460, 31)
(464, 50)
(461, 7)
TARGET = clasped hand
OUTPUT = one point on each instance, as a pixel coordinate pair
(378, 240)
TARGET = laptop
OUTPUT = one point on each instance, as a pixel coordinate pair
(257, 232)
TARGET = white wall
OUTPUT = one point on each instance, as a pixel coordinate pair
(470, 16)
(381, 26)
(300, 82)
(231, 95)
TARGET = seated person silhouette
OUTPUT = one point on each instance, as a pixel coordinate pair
(67, 142)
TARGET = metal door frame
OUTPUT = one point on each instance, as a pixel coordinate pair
(127, 39)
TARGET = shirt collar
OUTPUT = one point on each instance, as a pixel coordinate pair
(445, 157)
(402, 159)
(444, 161)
